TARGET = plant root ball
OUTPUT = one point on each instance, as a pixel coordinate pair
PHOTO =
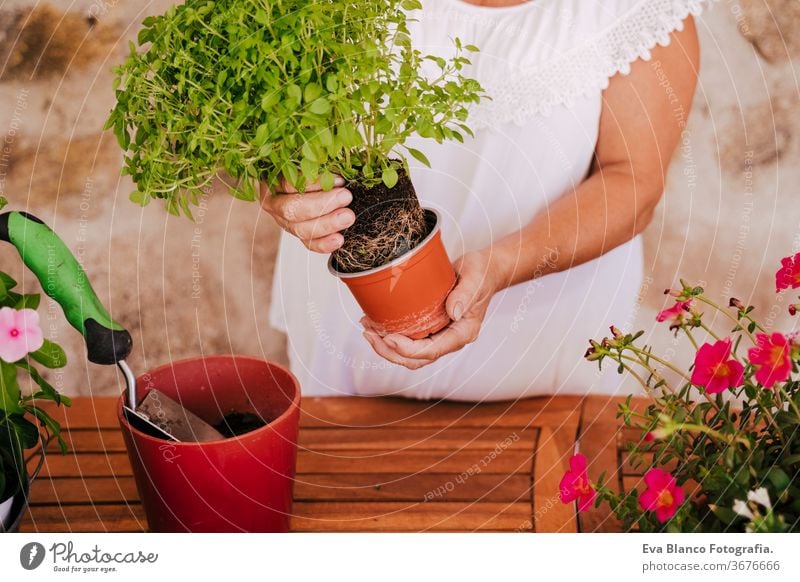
(389, 223)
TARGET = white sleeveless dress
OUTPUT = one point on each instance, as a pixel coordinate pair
(545, 64)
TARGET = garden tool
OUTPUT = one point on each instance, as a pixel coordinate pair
(63, 279)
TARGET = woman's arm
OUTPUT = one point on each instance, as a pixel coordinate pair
(642, 119)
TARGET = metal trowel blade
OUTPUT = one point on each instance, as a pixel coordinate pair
(143, 424)
(162, 413)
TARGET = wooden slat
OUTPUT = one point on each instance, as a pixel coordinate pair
(89, 440)
(74, 490)
(354, 412)
(87, 465)
(431, 487)
(396, 439)
(400, 517)
(85, 518)
(85, 412)
(554, 448)
(598, 441)
(509, 461)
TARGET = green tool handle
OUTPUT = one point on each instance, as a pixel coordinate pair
(63, 279)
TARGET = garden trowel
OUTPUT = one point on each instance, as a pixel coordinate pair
(63, 279)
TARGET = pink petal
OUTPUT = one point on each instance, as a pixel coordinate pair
(737, 373)
(566, 489)
(700, 375)
(648, 500)
(7, 318)
(658, 479)
(716, 385)
(664, 513)
(586, 500)
(578, 463)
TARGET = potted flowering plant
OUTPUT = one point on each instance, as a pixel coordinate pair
(259, 92)
(23, 425)
(719, 447)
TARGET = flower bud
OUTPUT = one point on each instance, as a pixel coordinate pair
(736, 303)
(615, 332)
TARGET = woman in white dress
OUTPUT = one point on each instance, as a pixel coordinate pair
(542, 209)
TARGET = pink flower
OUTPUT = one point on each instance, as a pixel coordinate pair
(714, 369)
(789, 273)
(771, 356)
(663, 495)
(19, 333)
(674, 313)
(575, 484)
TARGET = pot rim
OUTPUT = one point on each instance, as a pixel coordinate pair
(394, 262)
(295, 404)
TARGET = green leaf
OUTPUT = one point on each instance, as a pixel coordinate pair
(27, 432)
(50, 424)
(311, 92)
(389, 176)
(419, 156)
(261, 135)
(270, 100)
(9, 388)
(48, 391)
(294, 92)
(28, 301)
(139, 198)
(326, 180)
(779, 478)
(50, 355)
(320, 106)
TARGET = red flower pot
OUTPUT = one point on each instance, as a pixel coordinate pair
(237, 484)
(406, 295)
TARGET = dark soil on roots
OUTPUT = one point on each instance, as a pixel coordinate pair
(389, 223)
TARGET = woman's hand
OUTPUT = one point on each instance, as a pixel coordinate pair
(315, 216)
(466, 305)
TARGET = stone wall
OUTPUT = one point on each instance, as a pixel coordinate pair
(186, 289)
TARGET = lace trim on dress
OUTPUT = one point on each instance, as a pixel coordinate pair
(585, 68)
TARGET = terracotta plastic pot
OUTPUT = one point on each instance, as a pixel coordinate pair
(237, 484)
(407, 295)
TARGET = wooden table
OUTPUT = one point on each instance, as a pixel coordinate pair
(372, 464)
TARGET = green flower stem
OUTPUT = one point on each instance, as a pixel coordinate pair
(709, 331)
(659, 378)
(691, 337)
(786, 396)
(714, 433)
(738, 323)
(659, 360)
(641, 381)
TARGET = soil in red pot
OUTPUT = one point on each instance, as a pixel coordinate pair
(239, 423)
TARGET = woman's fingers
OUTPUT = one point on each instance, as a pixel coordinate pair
(323, 226)
(325, 244)
(452, 338)
(308, 206)
(383, 350)
(316, 217)
(469, 287)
